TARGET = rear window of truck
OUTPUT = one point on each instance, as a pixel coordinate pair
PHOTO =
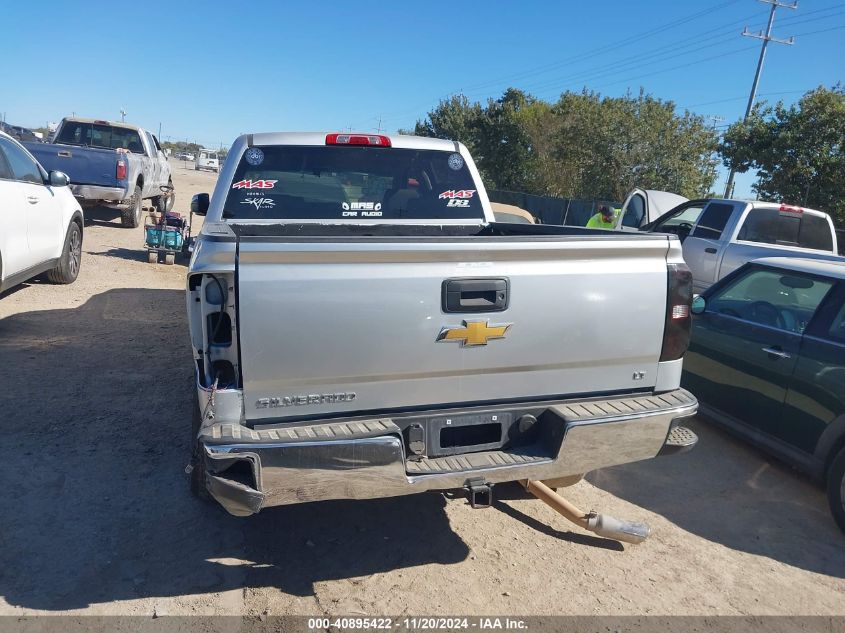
(100, 135)
(789, 227)
(336, 183)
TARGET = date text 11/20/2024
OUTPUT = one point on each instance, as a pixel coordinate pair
(417, 624)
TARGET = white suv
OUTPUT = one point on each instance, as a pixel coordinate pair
(40, 220)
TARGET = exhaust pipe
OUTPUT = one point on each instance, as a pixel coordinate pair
(603, 525)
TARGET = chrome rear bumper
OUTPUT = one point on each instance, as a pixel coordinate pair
(95, 192)
(249, 469)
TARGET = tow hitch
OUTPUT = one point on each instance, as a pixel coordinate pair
(480, 493)
(603, 525)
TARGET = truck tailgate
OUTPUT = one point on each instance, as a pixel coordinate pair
(328, 327)
(83, 165)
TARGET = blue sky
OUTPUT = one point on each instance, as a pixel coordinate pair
(207, 71)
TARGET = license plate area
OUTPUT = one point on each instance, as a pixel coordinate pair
(452, 435)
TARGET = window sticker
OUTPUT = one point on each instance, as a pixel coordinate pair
(255, 184)
(366, 209)
(461, 194)
(456, 161)
(260, 203)
(254, 156)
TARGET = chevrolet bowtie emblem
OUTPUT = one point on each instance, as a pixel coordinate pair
(473, 333)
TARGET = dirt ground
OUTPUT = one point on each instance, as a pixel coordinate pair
(96, 517)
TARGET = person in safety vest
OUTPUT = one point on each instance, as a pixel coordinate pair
(604, 219)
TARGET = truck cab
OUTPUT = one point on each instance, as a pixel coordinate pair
(719, 236)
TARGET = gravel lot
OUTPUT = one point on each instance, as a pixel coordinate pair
(97, 517)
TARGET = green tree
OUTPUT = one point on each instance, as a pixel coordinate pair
(582, 146)
(454, 119)
(799, 151)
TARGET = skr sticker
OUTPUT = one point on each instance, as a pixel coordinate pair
(255, 184)
(456, 161)
(254, 156)
(260, 203)
(463, 194)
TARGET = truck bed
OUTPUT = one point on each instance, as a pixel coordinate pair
(83, 165)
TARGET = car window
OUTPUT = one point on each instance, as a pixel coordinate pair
(814, 232)
(23, 167)
(5, 170)
(713, 221)
(837, 328)
(786, 226)
(336, 182)
(776, 298)
(688, 215)
(100, 135)
(635, 212)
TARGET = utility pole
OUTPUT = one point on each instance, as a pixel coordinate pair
(767, 37)
(378, 131)
(715, 118)
(123, 115)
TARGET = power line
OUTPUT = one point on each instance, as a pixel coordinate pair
(599, 51)
(766, 39)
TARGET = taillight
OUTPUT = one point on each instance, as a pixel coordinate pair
(376, 140)
(120, 172)
(676, 331)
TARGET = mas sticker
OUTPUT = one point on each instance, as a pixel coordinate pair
(255, 184)
(460, 194)
(456, 161)
(254, 156)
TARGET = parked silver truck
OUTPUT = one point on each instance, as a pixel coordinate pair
(719, 236)
(362, 327)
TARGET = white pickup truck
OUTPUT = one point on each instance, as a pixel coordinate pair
(362, 327)
(719, 236)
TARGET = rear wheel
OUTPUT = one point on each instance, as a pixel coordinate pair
(130, 216)
(152, 257)
(67, 269)
(169, 258)
(836, 488)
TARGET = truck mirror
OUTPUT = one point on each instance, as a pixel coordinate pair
(699, 303)
(58, 179)
(199, 203)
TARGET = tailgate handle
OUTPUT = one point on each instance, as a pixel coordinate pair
(64, 154)
(475, 295)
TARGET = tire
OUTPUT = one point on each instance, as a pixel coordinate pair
(164, 204)
(67, 270)
(152, 257)
(169, 258)
(130, 216)
(836, 488)
(198, 488)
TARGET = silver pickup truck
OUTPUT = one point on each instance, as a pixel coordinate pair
(362, 327)
(719, 236)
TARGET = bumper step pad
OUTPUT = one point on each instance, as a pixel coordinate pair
(226, 433)
(680, 440)
(471, 461)
(594, 409)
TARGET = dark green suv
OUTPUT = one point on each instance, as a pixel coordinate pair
(767, 360)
